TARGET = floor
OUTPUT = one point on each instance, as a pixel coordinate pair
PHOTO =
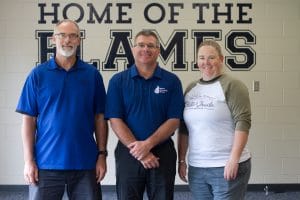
(22, 194)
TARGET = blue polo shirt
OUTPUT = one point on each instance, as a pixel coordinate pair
(65, 104)
(144, 104)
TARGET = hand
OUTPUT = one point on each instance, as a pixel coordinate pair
(150, 161)
(139, 149)
(182, 168)
(101, 168)
(30, 172)
(230, 170)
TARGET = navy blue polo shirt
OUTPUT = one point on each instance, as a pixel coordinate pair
(144, 104)
(65, 104)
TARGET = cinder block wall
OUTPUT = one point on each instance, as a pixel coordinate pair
(274, 138)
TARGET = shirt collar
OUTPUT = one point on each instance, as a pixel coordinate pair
(53, 65)
(134, 72)
(210, 81)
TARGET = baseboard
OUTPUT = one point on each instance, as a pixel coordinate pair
(277, 188)
(13, 188)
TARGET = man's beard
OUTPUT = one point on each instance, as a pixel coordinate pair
(66, 52)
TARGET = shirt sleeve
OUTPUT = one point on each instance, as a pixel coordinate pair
(27, 103)
(238, 101)
(100, 94)
(176, 105)
(114, 106)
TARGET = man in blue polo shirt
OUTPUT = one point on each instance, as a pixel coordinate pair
(144, 106)
(62, 103)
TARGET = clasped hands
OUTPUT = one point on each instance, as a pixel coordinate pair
(141, 151)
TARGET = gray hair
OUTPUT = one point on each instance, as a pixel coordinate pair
(66, 21)
(148, 33)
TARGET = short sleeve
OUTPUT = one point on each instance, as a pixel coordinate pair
(114, 105)
(27, 103)
(100, 94)
(176, 105)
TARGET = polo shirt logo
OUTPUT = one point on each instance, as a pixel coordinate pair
(160, 90)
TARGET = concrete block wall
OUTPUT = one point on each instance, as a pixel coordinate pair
(275, 136)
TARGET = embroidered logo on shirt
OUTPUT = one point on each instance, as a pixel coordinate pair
(160, 90)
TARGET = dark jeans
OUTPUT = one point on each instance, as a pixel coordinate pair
(80, 185)
(133, 178)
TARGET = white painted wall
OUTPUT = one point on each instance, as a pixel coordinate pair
(275, 136)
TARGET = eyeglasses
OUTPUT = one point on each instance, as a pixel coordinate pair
(63, 36)
(149, 46)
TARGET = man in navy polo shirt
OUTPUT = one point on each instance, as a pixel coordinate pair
(144, 106)
(62, 103)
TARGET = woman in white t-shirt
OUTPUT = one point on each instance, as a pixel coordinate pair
(217, 119)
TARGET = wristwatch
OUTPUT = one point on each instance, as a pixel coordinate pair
(102, 152)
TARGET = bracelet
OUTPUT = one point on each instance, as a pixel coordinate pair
(181, 161)
(103, 152)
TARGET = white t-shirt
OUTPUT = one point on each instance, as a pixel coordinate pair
(210, 122)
